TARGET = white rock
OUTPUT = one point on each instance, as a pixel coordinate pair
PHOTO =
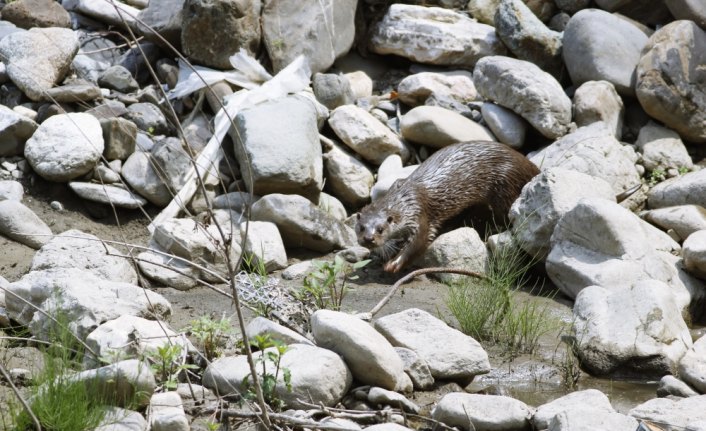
(670, 385)
(459, 248)
(38, 59)
(416, 368)
(383, 397)
(263, 326)
(138, 171)
(449, 353)
(86, 299)
(434, 35)
(629, 331)
(167, 270)
(129, 337)
(117, 419)
(166, 413)
(458, 85)
(348, 178)
(65, 146)
(482, 412)
(125, 382)
(594, 151)
(686, 189)
(107, 194)
(371, 358)
(684, 413)
(598, 101)
(76, 249)
(21, 224)
(545, 199)
(438, 127)
(113, 13)
(264, 245)
(693, 10)
(15, 129)
(589, 419)
(508, 127)
(365, 135)
(683, 219)
(11, 190)
(662, 148)
(361, 84)
(578, 400)
(332, 206)
(236, 201)
(694, 253)
(692, 366)
(527, 90)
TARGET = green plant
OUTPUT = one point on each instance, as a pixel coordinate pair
(325, 286)
(683, 170)
(271, 351)
(166, 362)
(656, 176)
(210, 334)
(569, 366)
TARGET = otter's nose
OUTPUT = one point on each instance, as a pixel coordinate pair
(368, 238)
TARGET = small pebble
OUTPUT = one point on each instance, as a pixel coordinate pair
(56, 205)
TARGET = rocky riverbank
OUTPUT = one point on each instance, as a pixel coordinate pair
(146, 146)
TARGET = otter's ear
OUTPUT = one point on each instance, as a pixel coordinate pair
(357, 216)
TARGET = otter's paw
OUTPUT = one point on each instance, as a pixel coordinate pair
(393, 265)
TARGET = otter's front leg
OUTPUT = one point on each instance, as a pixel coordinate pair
(416, 246)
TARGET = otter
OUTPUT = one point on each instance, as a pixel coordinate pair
(459, 178)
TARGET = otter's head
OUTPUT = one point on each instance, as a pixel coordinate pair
(373, 228)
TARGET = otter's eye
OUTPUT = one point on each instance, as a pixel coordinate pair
(379, 229)
(389, 219)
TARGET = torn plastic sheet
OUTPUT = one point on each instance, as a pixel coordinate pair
(292, 79)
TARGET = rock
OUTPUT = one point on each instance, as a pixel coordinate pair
(682, 413)
(262, 326)
(333, 207)
(302, 224)
(622, 250)
(594, 151)
(599, 46)
(579, 400)
(172, 161)
(119, 79)
(662, 149)
(435, 36)
(212, 31)
(527, 90)
(693, 10)
(79, 91)
(37, 59)
(596, 101)
(682, 220)
(361, 84)
(438, 127)
(15, 129)
(380, 396)
(588, 418)
(261, 135)
(527, 37)
(65, 146)
(105, 175)
(166, 270)
(130, 337)
(166, 413)
(76, 249)
(117, 14)
(263, 245)
(545, 200)
(483, 10)
(125, 382)
(459, 248)
(117, 419)
(11, 190)
(332, 90)
(687, 189)
(36, 13)
(370, 357)
(148, 118)
(318, 376)
(389, 426)
(508, 127)
(365, 135)
(482, 412)
(163, 19)
(667, 89)
(415, 89)
(416, 368)
(21, 224)
(307, 28)
(670, 385)
(348, 178)
(139, 173)
(634, 331)
(84, 298)
(694, 254)
(107, 194)
(235, 201)
(449, 353)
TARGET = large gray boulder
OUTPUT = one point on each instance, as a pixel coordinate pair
(65, 146)
(140, 173)
(435, 36)
(163, 19)
(370, 357)
(668, 89)
(683, 413)
(687, 189)
(578, 400)
(482, 412)
(277, 147)
(129, 382)
(15, 129)
(21, 224)
(38, 59)
(527, 90)
(320, 30)
(683, 220)
(599, 46)
(449, 353)
(437, 127)
(694, 253)
(588, 418)
(636, 331)
(662, 149)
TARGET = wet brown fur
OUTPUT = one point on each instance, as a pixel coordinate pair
(477, 174)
